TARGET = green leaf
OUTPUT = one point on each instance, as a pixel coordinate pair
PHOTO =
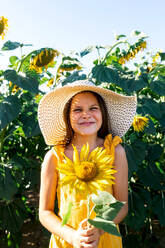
(149, 106)
(159, 209)
(150, 129)
(137, 212)
(109, 59)
(13, 59)
(108, 212)
(131, 157)
(162, 55)
(113, 211)
(100, 209)
(14, 215)
(151, 177)
(68, 58)
(103, 198)
(135, 33)
(87, 50)
(26, 83)
(154, 152)
(118, 37)
(9, 45)
(67, 215)
(73, 77)
(9, 110)
(30, 123)
(107, 226)
(7, 184)
(105, 74)
(32, 175)
(158, 87)
(112, 75)
(135, 154)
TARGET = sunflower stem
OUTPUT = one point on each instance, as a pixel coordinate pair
(22, 60)
(88, 206)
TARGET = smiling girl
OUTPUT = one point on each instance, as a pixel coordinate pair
(69, 117)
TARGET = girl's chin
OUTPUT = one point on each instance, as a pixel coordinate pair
(87, 133)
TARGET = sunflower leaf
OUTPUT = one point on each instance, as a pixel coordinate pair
(67, 215)
(106, 208)
(103, 198)
(107, 226)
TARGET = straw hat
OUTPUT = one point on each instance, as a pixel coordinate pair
(121, 110)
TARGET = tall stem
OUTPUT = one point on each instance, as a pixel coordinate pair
(2, 135)
(116, 44)
(88, 206)
(22, 60)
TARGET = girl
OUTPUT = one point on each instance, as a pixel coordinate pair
(69, 117)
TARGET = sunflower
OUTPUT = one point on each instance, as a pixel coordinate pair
(3, 26)
(44, 58)
(87, 172)
(69, 67)
(143, 45)
(50, 82)
(139, 123)
(121, 60)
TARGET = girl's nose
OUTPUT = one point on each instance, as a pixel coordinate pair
(86, 114)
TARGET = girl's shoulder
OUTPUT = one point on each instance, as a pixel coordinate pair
(110, 142)
(49, 164)
(52, 156)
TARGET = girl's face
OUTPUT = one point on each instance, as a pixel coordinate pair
(85, 114)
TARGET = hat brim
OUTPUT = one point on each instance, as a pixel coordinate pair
(121, 110)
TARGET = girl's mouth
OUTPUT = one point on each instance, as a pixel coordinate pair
(86, 123)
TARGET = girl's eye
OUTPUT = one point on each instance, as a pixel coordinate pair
(94, 108)
(77, 110)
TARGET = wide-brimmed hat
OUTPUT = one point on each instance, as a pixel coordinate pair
(121, 110)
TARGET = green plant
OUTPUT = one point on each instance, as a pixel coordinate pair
(22, 147)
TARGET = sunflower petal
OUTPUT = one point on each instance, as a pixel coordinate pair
(82, 152)
(68, 160)
(86, 152)
(67, 179)
(93, 154)
(75, 155)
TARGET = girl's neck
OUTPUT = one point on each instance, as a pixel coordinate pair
(93, 141)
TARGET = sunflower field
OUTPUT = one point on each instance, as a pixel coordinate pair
(126, 67)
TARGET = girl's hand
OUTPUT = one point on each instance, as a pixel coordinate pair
(86, 236)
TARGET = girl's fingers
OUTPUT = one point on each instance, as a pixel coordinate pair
(84, 224)
(91, 245)
(88, 239)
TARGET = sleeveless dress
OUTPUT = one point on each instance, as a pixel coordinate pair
(79, 203)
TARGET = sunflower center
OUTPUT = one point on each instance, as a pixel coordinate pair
(44, 58)
(86, 171)
(2, 27)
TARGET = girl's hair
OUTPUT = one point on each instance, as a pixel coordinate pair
(104, 129)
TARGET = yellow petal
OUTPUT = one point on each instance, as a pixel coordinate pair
(67, 179)
(100, 155)
(86, 152)
(68, 160)
(65, 171)
(82, 152)
(75, 155)
(93, 154)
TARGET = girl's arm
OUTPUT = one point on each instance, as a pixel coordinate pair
(47, 217)
(120, 187)
(47, 199)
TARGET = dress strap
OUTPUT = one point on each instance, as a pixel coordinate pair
(58, 152)
(110, 144)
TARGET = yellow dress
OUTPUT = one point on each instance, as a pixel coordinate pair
(79, 204)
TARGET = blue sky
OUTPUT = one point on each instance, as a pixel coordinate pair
(74, 25)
